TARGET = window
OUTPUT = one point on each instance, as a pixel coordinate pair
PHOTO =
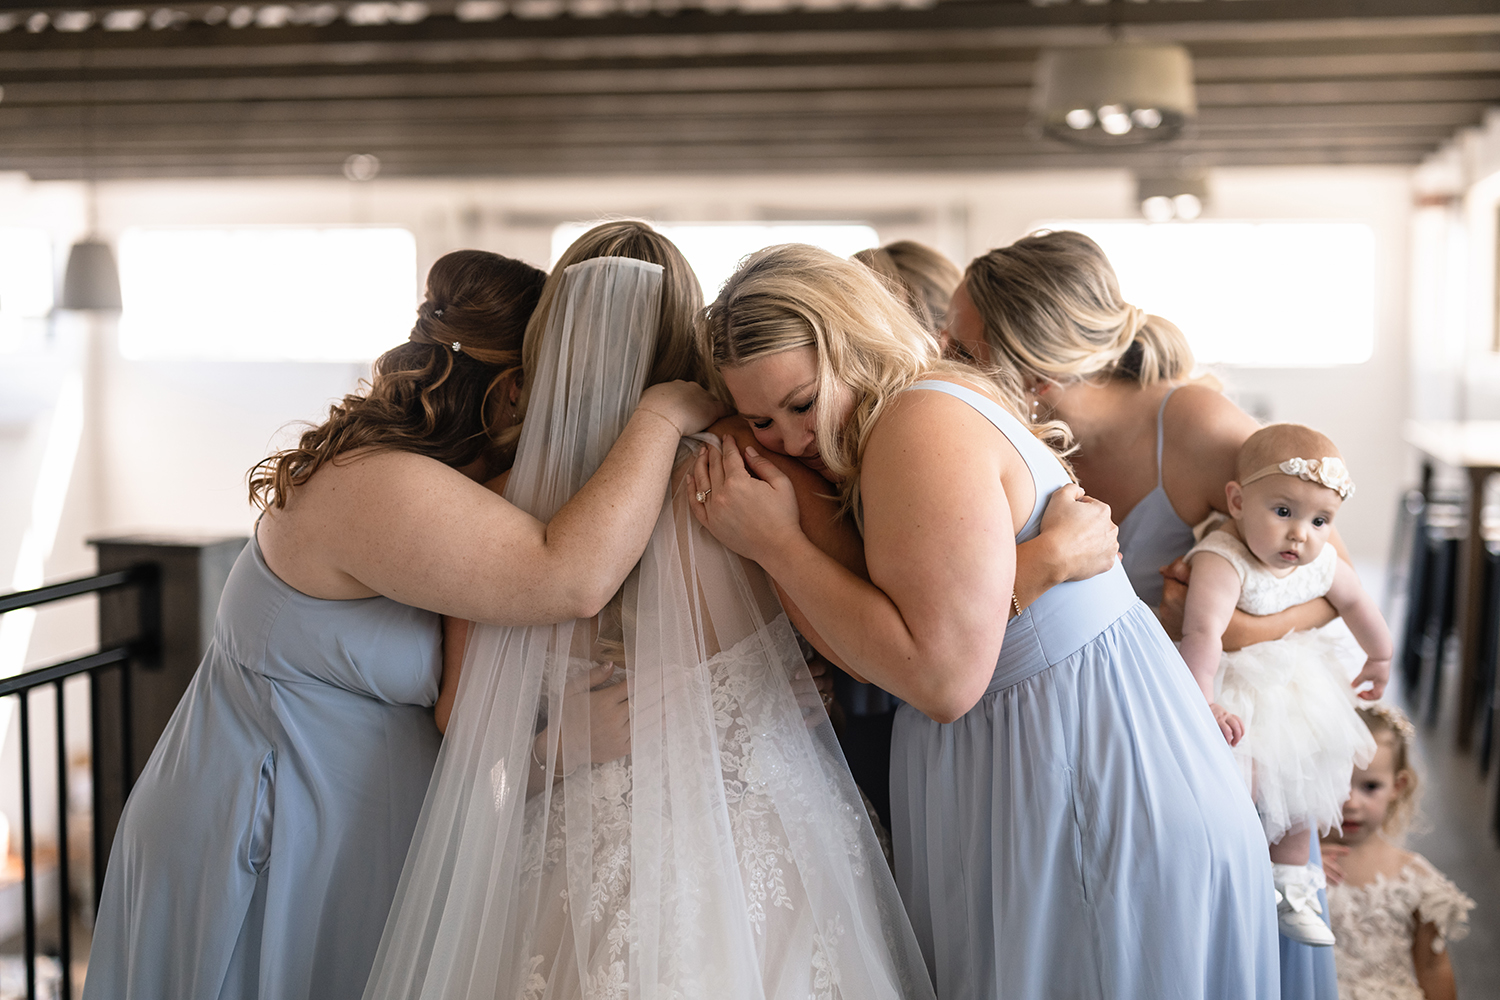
(25, 282)
(1258, 294)
(716, 249)
(266, 293)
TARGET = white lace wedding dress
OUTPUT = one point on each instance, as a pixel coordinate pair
(730, 855)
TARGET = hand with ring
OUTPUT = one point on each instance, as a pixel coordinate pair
(745, 501)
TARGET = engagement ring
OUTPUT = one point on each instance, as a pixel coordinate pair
(703, 495)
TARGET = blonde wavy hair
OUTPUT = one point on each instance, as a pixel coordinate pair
(1052, 309)
(1386, 721)
(794, 296)
(918, 275)
(677, 355)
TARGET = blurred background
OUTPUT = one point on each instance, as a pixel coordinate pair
(213, 216)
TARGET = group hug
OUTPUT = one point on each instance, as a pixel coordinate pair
(525, 686)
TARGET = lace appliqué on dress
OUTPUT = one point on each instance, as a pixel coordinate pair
(1375, 926)
(761, 773)
(1261, 591)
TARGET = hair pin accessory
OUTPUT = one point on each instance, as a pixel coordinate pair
(457, 347)
(438, 312)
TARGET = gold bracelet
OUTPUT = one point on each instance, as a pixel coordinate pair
(669, 420)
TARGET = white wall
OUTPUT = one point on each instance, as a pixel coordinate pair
(179, 436)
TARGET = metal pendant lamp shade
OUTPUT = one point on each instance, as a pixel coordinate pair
(1115, 95)
(92, 281)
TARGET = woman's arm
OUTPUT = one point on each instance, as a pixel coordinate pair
(939, 546)
(416, 531)
(1202, 431)
(1434, 971)
(455, 641)
(1077, 539)
(1243, 629)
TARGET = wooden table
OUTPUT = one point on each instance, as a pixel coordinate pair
(1473, 446)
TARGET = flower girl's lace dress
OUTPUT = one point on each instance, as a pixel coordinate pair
(1376, 923)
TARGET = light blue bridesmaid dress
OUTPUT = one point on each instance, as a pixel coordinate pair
(1082, 832)
(1151, 536)
(260, 850)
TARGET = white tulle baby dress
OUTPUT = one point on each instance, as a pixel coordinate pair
(1302, 736)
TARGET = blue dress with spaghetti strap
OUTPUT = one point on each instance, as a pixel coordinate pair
(1082, 832)
(259, 852)
(1151, 536)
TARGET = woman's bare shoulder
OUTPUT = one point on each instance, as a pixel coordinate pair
(1203, 424)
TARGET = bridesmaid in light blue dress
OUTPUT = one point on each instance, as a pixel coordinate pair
(1068, 821)
(259, 852)
(1079, 832)
(1048, 309)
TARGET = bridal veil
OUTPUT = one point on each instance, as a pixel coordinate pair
(729, 855)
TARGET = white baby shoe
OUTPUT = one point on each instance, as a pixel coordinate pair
(1297, 905)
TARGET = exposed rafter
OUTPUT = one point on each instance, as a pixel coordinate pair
(708, 84)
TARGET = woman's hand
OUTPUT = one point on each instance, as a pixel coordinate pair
(686, 405)
(750, 514)
(1085, 541)
(813, 688)
(1173, 597)
(608, 715)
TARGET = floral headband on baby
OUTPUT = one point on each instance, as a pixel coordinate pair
(1329, 472)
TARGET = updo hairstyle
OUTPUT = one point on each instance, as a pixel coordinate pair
(433, 395)
(1052, 309)
(681, 297)
(787, 297)
(919, 276)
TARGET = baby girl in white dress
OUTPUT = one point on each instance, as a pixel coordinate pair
(1392, 911)
(1287, 706)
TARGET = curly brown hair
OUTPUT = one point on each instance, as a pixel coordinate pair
(431, 395)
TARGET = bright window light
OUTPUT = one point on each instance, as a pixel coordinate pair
(716, 249)
(25, 280)
(1257, 294)
(266, 293)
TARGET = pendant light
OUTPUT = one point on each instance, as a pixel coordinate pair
(1114, 95)
(91, 280)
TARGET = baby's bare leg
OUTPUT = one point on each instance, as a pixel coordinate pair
(1293, 848)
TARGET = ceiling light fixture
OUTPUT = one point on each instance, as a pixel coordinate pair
(1109, 95)
(1165, 197)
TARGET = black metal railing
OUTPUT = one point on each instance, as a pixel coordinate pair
(143, 650)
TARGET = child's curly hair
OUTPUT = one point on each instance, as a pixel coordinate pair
(1385, 720)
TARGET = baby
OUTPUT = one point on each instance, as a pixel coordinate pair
(1286, 706)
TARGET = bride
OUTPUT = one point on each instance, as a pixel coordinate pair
(729, 854)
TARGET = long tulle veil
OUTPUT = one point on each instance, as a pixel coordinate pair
(729, 854)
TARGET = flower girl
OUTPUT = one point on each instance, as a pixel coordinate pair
(1286, 705)
(1394, 913)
